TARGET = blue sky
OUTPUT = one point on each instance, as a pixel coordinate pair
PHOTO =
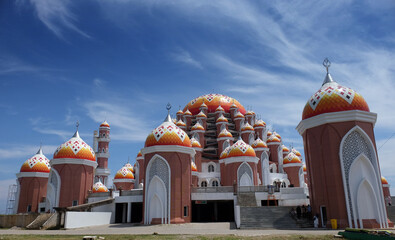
(121, 60)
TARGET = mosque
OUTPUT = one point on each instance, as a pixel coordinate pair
(216, 157)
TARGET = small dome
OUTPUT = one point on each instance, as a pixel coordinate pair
(225, 133)
(383, 180)
(269, 134)
(273, 138)
(197, 126)
(258, 143)
(130, 167)
(247, 127)
(297, 153)
(304, 168)
(124, 173)
(203, 105)
(105, 125)
(277, 135)
(219, 109)
(75, 148)
(222, 119)
(195, 143)
(224, 153)
(332, 97)
(168, 134)
(193, 167)
(139, 155)
(285, 149)
(240, 149)
(233, 105)
(239, 115)
(187, 112)
(291, 158)
(99, 187)
(37, 163)
(201, 115)
(174, 120)
(180, 112)
(213, 101)
(180, 123)
(249, 112)
(259, 123)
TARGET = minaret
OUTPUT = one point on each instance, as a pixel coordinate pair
(102, 153)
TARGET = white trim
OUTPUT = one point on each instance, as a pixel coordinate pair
(102, 172)
(169, 148)
(198, 149)
(224, 138)
(32, 174)
(226, 123)
(199, 118)
(140, 158)
(344, 116)
(247, 131)
(59, 161)
(261, 149)
(239, 159)
(386, 185)
(195, 173)
(273, 143)
(259, 127)
(239, 177)
(237, 118)
(198, 131)
(123, 180)
(292, 165)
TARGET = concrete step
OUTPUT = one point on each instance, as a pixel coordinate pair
(266, 217)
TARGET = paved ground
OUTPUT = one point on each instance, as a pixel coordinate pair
(190, 228)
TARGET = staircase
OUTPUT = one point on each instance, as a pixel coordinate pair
(266, 217)
(39, 221)
(246, 199)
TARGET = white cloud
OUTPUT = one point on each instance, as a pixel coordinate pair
(56, 15)
(185, 57)
(25, 151)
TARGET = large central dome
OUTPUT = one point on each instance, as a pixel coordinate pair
(213, 101)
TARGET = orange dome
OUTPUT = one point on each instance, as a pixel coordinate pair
(383, 180)
(181, 123)
(195, 143)
(259, 123)
(239, 115)
(240, 149)
(201, 115)
(99, 187)
(203, 105)
(291, 158)
(225, 133)
(304, 168)
(193, 167)
(139, 154)
(224, 153)
(222, 119)
(277, 135)
(296, 152)
(124, 173)
(105, 124)
(258, 143)
(187, 112)
(273, 138)
(180, 112)
(269, 133)
(75, 148)
(285, 149)
(332, 97)
(197, 126)
(168, 134)
(219, 109)
(130, 167)
(213, 101)
(37, 163)
(247, 127)
(249, 112)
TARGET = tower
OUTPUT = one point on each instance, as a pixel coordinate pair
(341, 157)
(32, 183)
(102, 153)
(72, 173)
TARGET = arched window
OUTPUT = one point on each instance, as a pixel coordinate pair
(214, 183)
(210, 168)
(203, 184)
(251, 139)
(196, 136)
(283, 185)
(225, 145)
(223, 127)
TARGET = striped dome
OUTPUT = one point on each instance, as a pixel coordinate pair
(239, 115)
(99, 187)
(269, 134)
(221, 119)
(297, 153)
(187, 112)
(273, 138)
(168, 134)
(258, 143)
(332, 97)
(180, 112)
(197, 126)
(219, 109)
(213, 101)
(180, 123)
(105, 125)
(203, 105)
(193, 167)
(75, 148)
(285, 149)
(130, 167)
(139, 155)
(259, 124)
(201, 115)
(291, 158)
(277, 135)
(240, 149)
(195, 143)
(124, 173)
(247, 127)
(249, 112)
(37, 163)
(225, 133)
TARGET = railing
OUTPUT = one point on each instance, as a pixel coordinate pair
(225, 189)
(134, 192)
(293, 190)
(269, 188)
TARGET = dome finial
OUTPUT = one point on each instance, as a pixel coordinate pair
(40, 151)
(76, 134)
(326, 64)
(168, 118)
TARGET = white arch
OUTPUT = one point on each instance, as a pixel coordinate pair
(53, 191)
(157, 200)
(301, 177)
(245, 180)
(375, 169)
(223, 126)
(239, 178)
(273, 167)
(265, 168)
(251, 138)
(196, 136)
(212, 180)
(167, 204)
(225, 145)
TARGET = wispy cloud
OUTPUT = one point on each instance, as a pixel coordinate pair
(25, 151)
(185, 57)
(12, 65)
(56, 15)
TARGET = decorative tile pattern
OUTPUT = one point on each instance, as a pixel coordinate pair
(130, 167)
(244, 168)
(159, 168)
(225, 133)
(247, 127)
(291, 158)
(332, 97)
(167, 134)
(99, 187)
(241, 149)
(75, 148)
(213, 101)
(124, 173)
(258, 143)
(37, 163)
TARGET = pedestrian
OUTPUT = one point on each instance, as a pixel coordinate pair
(309, 211)
(298, 211)
(315, 219)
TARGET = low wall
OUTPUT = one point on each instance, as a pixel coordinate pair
(18, 220)
(86, 219)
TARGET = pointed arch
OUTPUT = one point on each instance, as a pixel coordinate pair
(265, 168)
(251, 138)
(244, 171)
(53, 190)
